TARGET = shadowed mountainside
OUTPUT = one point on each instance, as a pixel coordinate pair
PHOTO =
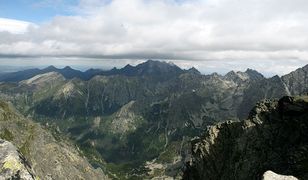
(274, 137)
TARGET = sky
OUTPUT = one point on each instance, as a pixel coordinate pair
(211, 35)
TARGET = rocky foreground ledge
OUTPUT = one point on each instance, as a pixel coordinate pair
(12, 164)
(274, 137)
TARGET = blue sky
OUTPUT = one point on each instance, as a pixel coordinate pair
(36, 11)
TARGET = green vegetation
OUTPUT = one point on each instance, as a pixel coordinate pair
(170, 153)
(6, 134)
(4, 107)
(25, 148)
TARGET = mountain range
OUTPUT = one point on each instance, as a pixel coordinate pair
(136, 122)
(150, 68)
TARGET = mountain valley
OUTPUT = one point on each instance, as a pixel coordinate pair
(137, 122)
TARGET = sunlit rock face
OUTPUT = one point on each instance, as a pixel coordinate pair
(270, 175)
(12, 164)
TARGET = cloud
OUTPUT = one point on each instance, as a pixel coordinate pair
(198, 32)
(13, 26)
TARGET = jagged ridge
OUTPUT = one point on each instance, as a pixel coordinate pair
(274, 137)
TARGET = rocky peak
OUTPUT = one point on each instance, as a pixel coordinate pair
(193, 70)
(275, 78)
(215, 75)
(253, 74)
(248, 75)
(155, 69)
(128, 66)
(128, 70)
(67, 68)
(50, 68)
(152, 66)
(236, 76)
(305, 68)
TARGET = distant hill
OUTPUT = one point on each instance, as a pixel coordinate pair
(152, 68)
(20, 75)
(67, 72)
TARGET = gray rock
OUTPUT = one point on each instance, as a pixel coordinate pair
(297, 81)
(12, 164)
(270, 175)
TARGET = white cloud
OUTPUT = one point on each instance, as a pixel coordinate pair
(206, 33)
(13, 26)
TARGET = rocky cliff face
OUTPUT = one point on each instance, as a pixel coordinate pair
(49, 158)
(297, 81)
(274, 137)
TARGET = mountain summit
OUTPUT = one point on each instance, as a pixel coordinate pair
(157, 68)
